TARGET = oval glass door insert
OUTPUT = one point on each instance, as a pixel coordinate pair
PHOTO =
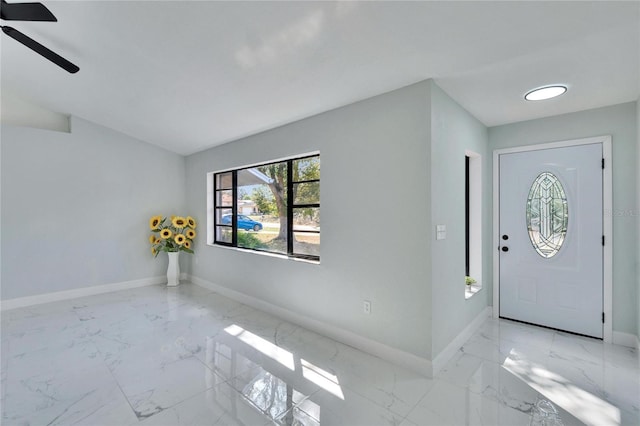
(547, 214)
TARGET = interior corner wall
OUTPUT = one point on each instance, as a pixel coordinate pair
(453, 131)
(375, 220)
(75, 207)
(619, 121)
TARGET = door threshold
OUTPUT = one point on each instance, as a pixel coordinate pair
(551, 328)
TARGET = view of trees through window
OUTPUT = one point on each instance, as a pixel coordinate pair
(277, 207)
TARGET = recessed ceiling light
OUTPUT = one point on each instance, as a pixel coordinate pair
(547, 92)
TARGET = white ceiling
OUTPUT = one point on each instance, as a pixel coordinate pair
(190, 75)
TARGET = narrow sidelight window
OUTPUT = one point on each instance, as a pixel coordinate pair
(472, 222)
(467, 249)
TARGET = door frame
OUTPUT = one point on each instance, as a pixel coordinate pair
(607, 221)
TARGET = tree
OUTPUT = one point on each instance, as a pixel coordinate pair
(303, 169)
(264, 200)
(278, 185)
(243, 194)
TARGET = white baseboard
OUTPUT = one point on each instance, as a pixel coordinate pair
(21, 302)
(626, 339)
(388, 353)
(448, 352)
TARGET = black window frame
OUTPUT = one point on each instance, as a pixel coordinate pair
(216, 208)
(467, 212)
(290, 208)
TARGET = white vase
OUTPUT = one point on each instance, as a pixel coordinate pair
(173, 270)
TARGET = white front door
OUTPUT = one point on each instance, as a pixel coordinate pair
(551, 238)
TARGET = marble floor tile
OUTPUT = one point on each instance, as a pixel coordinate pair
(30, 328)
(326, 409)
(220, 405)
(220, 307)
(153, 389)
(584, 349)
(75, 391)
(491, 380)
(448, 404)
(188, 356)
(612, 387)
(505, 330)
(496, 349)
(393, 387)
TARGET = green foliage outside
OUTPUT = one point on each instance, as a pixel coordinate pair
(247, 240)
(264, 200)
(307, 193)
(303, 170)
(243, 194)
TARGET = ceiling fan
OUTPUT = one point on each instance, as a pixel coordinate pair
(32, 12)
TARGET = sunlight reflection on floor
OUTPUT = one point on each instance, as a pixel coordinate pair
(583, 405)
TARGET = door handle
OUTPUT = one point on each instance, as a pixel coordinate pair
(505, 248)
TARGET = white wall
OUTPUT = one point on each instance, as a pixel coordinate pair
(75, 207)
(619, 121)
(392, 168)
(453, 131)
(375, 241)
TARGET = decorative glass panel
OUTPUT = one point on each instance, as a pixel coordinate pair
(547, 214)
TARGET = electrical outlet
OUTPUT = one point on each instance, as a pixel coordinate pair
(366, 306)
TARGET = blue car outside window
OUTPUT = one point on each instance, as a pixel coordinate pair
(243, 222)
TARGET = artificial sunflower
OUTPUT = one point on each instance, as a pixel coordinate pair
(154, 222)
(191, 222)
(179, 222)
(172, 234)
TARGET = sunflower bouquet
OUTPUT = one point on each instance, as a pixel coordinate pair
(173, 235)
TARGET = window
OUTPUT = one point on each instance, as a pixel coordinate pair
(276, 207)
(224, 200)
(473, 222)
(467, 249)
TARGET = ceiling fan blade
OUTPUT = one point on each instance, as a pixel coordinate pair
(40, 49)
(25, 12)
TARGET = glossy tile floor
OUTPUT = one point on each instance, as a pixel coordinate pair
(188, 356)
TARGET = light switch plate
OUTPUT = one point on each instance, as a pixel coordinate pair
(441, 232)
